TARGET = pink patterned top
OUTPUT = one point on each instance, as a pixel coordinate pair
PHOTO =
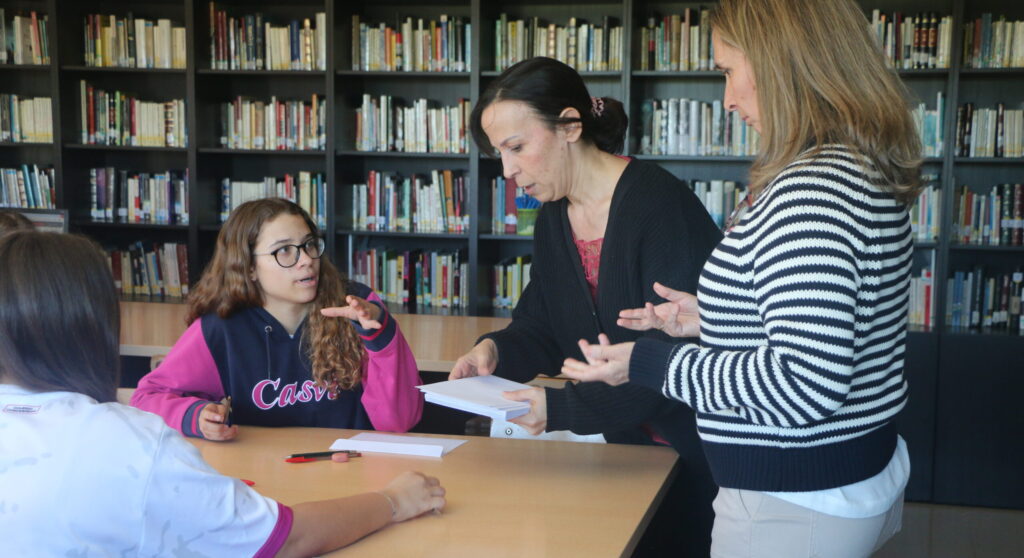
(590, 257)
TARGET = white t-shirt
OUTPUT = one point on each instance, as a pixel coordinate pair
(80, 478)
(866, 498)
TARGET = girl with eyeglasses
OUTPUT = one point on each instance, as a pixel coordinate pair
(277, 337)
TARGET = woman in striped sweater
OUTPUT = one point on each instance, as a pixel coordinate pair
(801, 310)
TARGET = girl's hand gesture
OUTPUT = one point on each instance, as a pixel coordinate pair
(358, 309)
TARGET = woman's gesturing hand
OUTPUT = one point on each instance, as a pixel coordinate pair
(605, 362)
(679, 317)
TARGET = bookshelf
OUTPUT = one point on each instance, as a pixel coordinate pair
(941, 358)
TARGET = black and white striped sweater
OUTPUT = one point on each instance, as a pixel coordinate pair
(803, 307)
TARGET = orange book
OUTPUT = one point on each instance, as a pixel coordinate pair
(448, 204)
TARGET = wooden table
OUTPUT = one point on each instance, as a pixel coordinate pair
(506, 498)
(151, 328)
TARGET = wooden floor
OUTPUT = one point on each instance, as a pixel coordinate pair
(933, 531)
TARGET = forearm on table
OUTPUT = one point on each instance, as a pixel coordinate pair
(320, 527)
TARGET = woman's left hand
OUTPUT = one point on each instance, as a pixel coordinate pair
(358, 309)
(605, 362)
(536, 420)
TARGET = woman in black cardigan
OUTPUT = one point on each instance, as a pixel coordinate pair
(609, 228)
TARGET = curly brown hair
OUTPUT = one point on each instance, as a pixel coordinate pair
(334, 348)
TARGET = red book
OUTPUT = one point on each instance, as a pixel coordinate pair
(976, 48)
(444, 281)
(222, 34)
(371, 201)
(510, 203)
(91, 117)
(37, 44)
(182, 258)
(115, 268)
(282, 127)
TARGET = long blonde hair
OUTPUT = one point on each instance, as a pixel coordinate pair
(335, 350)
(822, 79)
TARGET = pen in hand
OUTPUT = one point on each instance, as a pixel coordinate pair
(227, 413)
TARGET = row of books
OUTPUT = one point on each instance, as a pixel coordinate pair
(926, 213)
(692, 127)
(678, 42)
(995, 218)
(124, 196)
(277, 125)
(28, 187)
(156, 270)
(130, 42)
(417, 277)
(718, 196)
(587, 47)
(250, 42)
(921, 310)
(117, 118)
(307, 189)
(993, 43)
(989, 132)
(914, 41)
(978, 298)
(381, 125)
(931, 126)
(26, 119)
(420, 46)
(434, 203)
(508, 279)
(26, 40)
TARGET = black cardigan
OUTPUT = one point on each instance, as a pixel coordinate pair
(657, 231)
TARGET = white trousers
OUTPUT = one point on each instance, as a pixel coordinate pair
(751, 524)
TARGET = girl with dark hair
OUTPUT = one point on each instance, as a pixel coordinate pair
(80, 471)
(263, 332)
(609, 228)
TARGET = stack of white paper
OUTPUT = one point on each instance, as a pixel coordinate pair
(402, 445)
(480, 395)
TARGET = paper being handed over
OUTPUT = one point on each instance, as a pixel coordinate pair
(478, 394)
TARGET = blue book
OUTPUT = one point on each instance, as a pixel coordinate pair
(293, 35)
(30, 187)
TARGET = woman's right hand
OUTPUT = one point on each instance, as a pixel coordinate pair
(211, 423)
(480, 361)
(413, 494)
(679, 317)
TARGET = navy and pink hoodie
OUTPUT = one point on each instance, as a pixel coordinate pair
(251, 357)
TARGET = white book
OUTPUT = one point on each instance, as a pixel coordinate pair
(397, 444)
(479, 394)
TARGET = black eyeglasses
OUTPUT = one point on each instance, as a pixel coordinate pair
(288, 255)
